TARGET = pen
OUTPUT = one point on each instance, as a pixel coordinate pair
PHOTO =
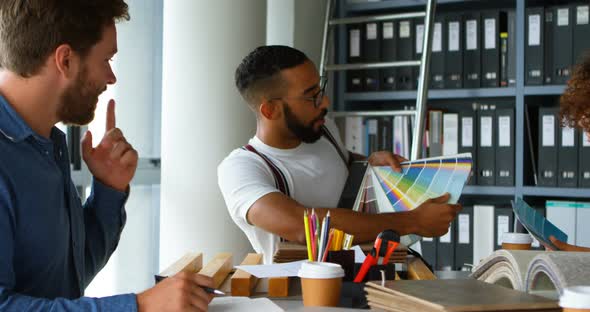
(210, 290)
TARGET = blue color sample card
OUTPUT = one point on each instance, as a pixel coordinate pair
(537, 224)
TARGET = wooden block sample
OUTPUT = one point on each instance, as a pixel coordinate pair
(190, 262)
(242, 282)
(278, 287)
(417, 270)
(218, 268)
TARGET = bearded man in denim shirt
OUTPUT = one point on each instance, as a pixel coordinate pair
(55, 62)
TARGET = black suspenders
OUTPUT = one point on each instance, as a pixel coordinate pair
(280, 179)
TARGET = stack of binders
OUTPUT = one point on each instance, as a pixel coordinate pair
(469, 50)
(563, 153)
(485, 131)
(555, 40)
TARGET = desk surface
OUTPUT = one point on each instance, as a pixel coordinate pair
(295, 303)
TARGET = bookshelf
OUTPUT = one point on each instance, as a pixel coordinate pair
(519, 94)
(432, 94)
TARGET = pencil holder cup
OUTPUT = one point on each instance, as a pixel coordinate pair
(321, 283)
(346, 260)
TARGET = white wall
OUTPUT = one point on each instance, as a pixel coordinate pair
(309, 27)
(203, 119)
(280, 22)
(297, 23)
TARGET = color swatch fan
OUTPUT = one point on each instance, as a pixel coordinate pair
(419, 181)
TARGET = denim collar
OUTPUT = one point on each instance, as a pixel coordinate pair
(14, 128)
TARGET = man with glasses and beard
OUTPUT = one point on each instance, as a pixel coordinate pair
(55, 62)
(297, 161)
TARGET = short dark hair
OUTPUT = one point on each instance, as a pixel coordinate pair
(259, 72)
(575, 101)
(30, 30)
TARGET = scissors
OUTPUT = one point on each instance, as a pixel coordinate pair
(388, 237)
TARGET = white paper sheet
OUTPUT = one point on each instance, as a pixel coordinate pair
(359, 255)
(243, 304)
(273, 270)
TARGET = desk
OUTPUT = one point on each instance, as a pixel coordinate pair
(294, 303)
(297, 306)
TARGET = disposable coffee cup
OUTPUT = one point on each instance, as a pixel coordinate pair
(575, 299)
(321, 283)
(516, 241)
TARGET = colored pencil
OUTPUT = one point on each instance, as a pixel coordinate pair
(307, 236)
(330, 238)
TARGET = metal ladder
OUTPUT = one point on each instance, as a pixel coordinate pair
(422, 93)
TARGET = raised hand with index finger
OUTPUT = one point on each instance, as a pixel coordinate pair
(114, 161)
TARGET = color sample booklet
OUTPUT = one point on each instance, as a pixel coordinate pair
(537, 224)
(384, 190)
(418, 181)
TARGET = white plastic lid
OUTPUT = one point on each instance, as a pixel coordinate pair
(576, 297)
(517, 238)
(320, 270)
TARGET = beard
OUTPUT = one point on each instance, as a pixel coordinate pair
(305, 133)
(79, 100)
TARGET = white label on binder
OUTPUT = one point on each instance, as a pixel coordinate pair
(471, 34)
(503, 227)
(563, 17)
(582, 15)
(404, 29)
(548, 130)
(450, 134)
(355, 42)
(534, 30)
(419, 38)
(567, 136)
(585, 141)
(454, 36)
(467, 131)
(388, 30)
(428, 239)
(372, 126)
(447, 237)
(371, 31)
(490, 33)
(464, 228)
(437, 38)
(504, 131)
(486, 131)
